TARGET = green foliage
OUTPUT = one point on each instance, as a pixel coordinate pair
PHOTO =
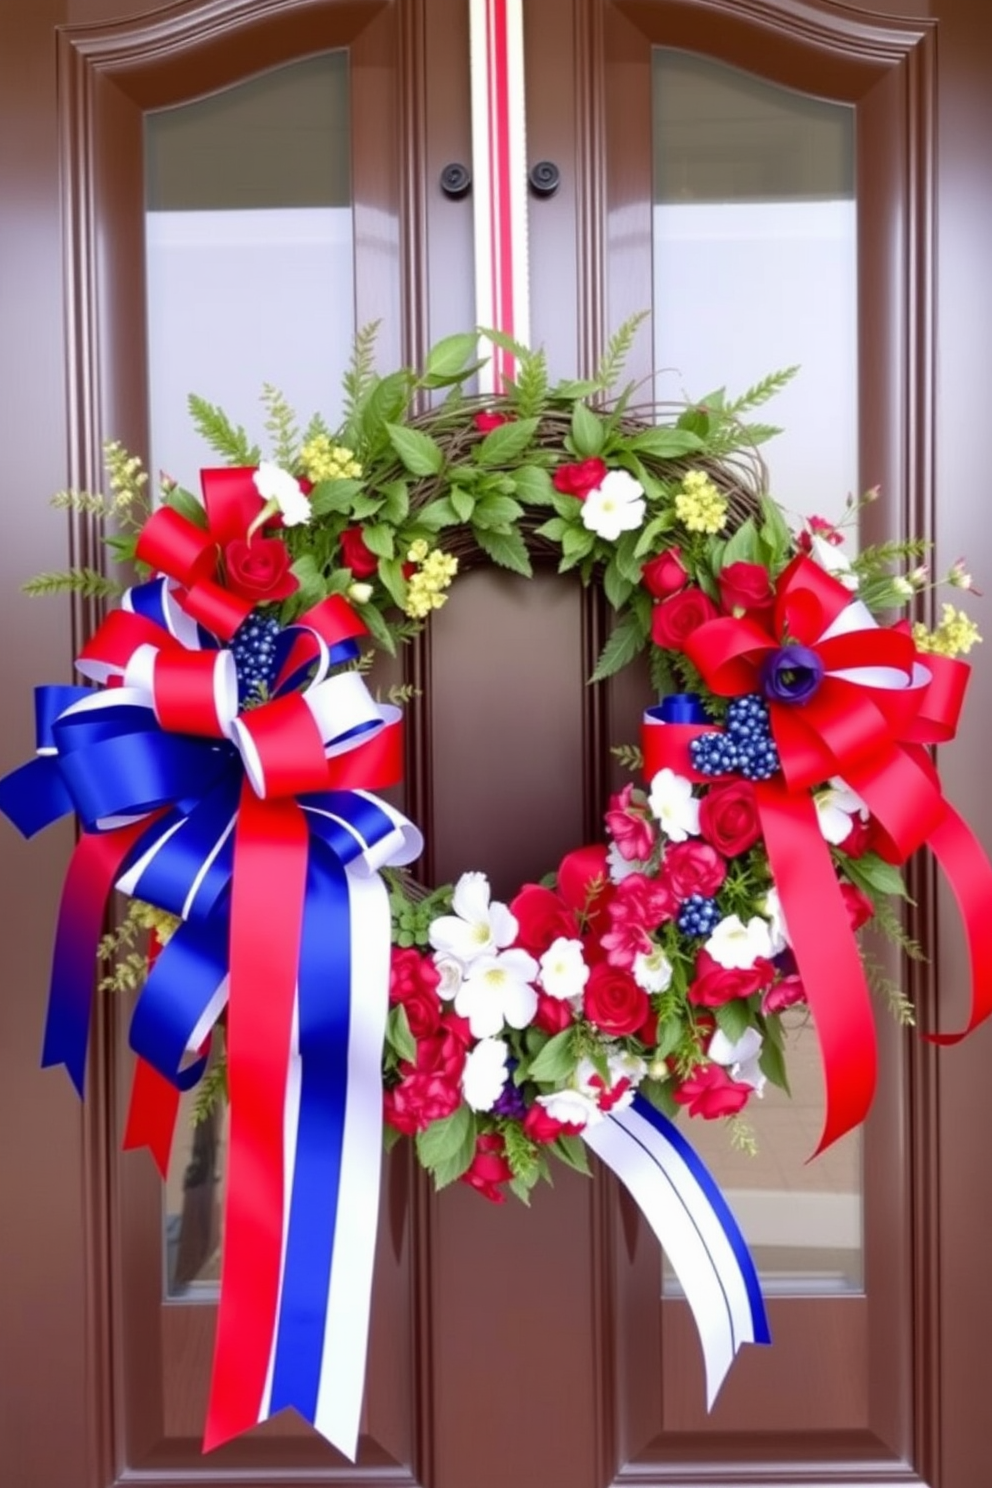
(230, 442)
(627, 639)
(899, 1006)
(617, 351)
(87, 582)
(629, 756)
(280, 425)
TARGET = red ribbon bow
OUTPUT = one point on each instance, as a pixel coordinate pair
(871, 710)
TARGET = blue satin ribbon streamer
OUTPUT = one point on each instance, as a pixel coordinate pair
(680, 707)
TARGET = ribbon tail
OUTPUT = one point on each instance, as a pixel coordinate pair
(151, 1115)
(93, 867)
(826, 953)
(683, 1205)
(970, 876)
(270, 855)
(334, 1121)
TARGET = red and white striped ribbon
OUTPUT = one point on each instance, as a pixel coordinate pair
(499, 173)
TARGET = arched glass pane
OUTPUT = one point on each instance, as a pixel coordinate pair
(755, 270)
(250, 257)
(250, 280)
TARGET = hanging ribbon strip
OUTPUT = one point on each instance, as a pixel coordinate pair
(686, 1210)
(873, 707)
(499, 175)
(258, 831)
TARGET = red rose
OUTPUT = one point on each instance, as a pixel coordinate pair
(584, 882)
(716, 984)
(860, 838)
(710, 1092)
(785, 994)
(613, 1000)
(413, 981)
(489, 1167)
(859, 907)
(418, 1100)
(259, 570)
(745, 586)
(693, 868)
(540, 1126)
(487, 422)
(728, 817)
(665, 574)
(356, 555)
(677, 617)
(554, 1014)
(542, 918)
(579, 479)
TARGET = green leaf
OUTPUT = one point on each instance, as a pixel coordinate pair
(398, 1033)
(771, 1062)
(617, 589)
(442, 1139)
(463, 502)
(573, 1151)
(497, 511)
(570, 391)
(505, 548)
(421, 454)
(556, 1061)
(666, 444)
(312, 586)
(669, 1037)
(576, 542)
(660, 1096)
(696, 420)
(437, 514)
(733, 1018)
(391, 575)
(216, 428)
(380, 540)
(334, 496)
(450, 1168)
(186, 504)
(623, 645)
(554, 529)
(396, 506)
(378, 629)
(533, 485)
(448, 358)
(588, 432)
(874, 875)
(775, 532)
(648, 536)
(742, 547)
(506, 442)
(628, 563)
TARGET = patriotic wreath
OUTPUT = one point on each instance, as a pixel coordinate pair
(223, 773)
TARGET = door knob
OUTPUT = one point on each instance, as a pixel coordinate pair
(545, 178)
(456, 180)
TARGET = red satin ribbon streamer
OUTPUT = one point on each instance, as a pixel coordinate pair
(151, 1115)
(270, 864)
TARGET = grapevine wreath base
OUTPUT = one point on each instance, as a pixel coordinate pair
(223, 770)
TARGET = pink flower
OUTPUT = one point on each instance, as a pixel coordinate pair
(710, 1092)
(693, 867)
(630, 828)
(818, 527)
(785, 994)
(640, 904)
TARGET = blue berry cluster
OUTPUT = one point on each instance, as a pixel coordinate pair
(698, 915)
(746, 747)
(254, 650)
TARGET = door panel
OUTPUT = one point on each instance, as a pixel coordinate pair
(505, 1342)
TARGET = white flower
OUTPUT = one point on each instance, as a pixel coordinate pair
(653, 970)
(452, 974)
(564, 972)
(571, 1106)
(277, 485)
(674, 806)
(771, 908)
(836, 806)
(485, 1074)
(737, 946)
(617, 866)
(740, 1060)
(834, 560)
(625, 1072)
(497, 990)
(477, 928)
(616, 505)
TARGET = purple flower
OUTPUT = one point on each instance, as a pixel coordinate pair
(511, 1100)
(791, 675)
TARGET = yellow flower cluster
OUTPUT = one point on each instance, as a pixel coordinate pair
(954, 636)
(150, 917)
(699, 504)
(125, 474)
(321, 460)
(425, 591)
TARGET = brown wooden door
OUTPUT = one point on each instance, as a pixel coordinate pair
(506, 1343)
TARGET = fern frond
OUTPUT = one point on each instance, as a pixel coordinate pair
(742, 1136)
(360, 376)
(888, 921)
(760, 392)
(211, 1091)
(892, 994)
(85, 581)
(629, 756)
(316, 429)
(531, 391)
(280, 424)
(618, 349)
(216, 428)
